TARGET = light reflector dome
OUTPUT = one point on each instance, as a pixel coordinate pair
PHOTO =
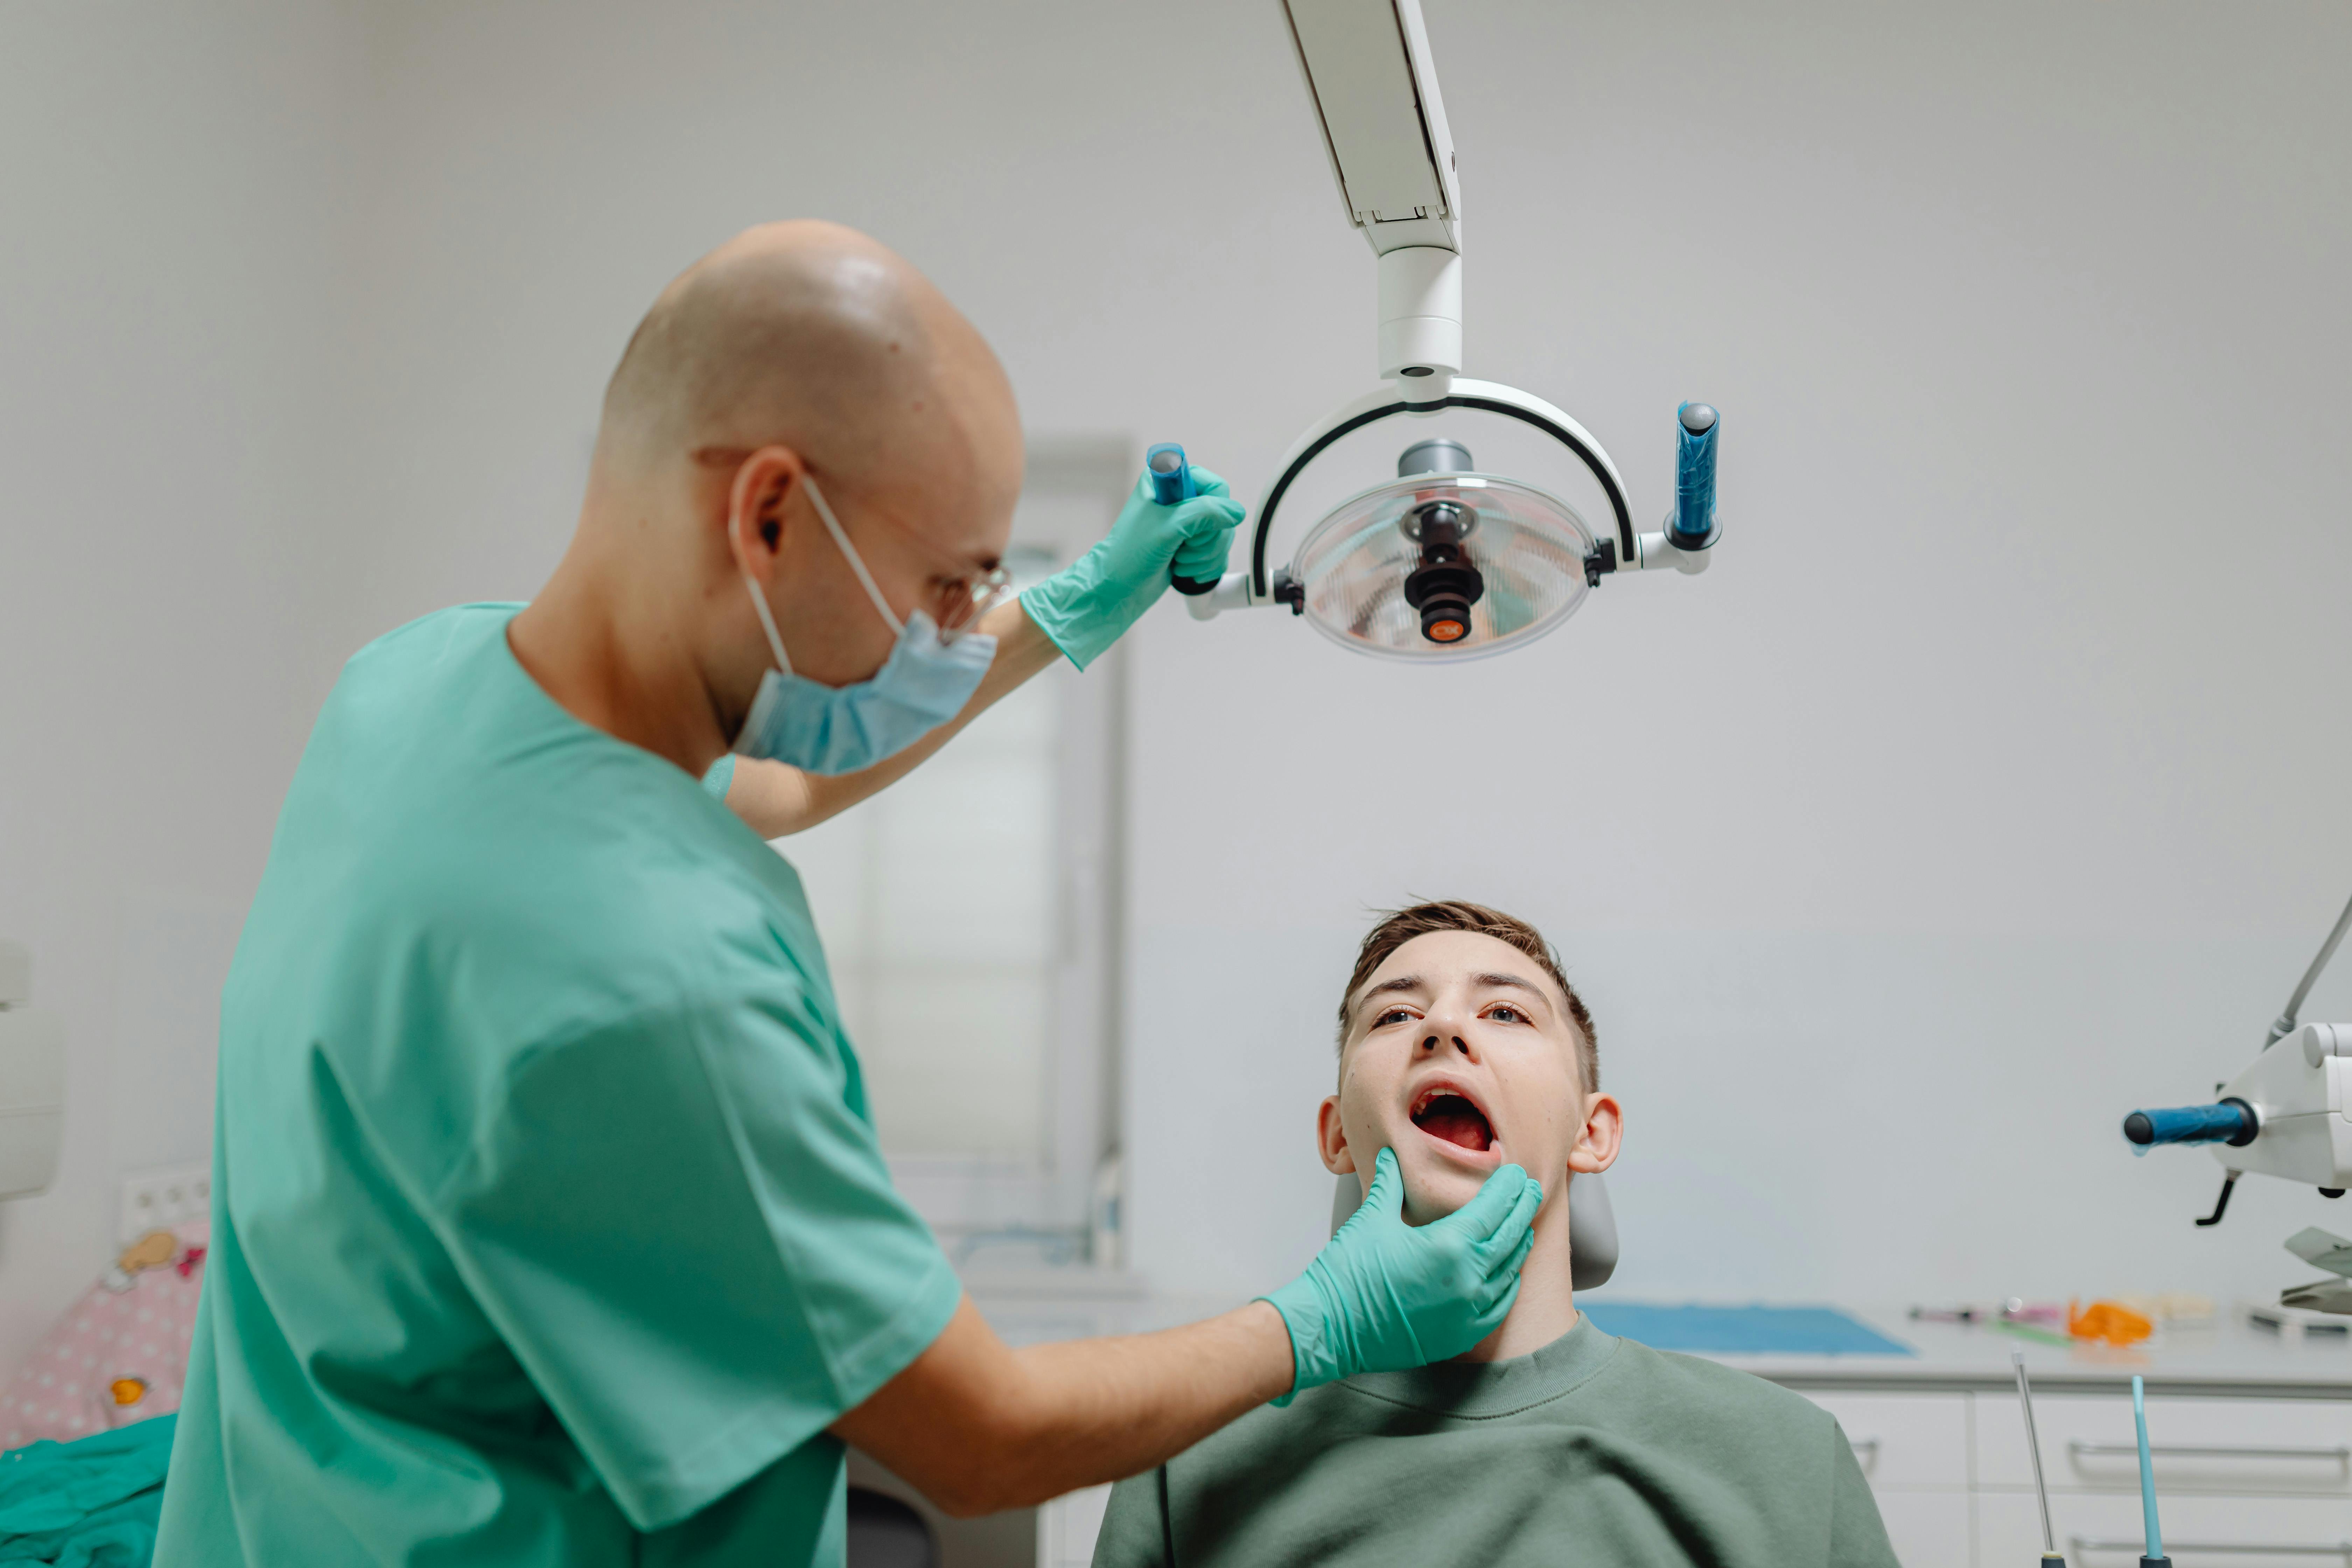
(1385, 572)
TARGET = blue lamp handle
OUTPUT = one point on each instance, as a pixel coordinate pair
(1172, 482)
(2231, 1121)
(1697, 425)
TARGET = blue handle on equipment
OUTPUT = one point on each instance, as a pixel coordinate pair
(1171, 476)
(1695, 429)
(1172, 482)
(2230, 1121)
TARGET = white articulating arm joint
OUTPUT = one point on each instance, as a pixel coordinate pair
(1231, 592)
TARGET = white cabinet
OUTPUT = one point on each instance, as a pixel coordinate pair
(1914, 1450)
(2239, 1480)
(1927, 1529)
(1904, 1439)
(1067, 1526)
(2103, 1530)
(2242, 1446)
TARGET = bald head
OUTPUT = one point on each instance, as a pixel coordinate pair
(813, 336)
(802, 415)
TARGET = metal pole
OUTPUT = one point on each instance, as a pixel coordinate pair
(2033, 1445)
(2285, 1023)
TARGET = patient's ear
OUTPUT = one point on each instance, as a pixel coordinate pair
(1331, 1139)
(1597, 1140)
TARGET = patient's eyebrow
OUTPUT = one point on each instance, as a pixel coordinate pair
(1389, 987)
(1410, 983)
(1530, 986)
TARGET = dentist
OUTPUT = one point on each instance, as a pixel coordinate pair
(548, 1224)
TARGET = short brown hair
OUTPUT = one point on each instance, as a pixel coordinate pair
(1400, 926)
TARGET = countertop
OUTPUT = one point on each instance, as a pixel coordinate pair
(2232, 1357)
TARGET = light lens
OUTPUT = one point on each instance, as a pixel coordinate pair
(1528, 547)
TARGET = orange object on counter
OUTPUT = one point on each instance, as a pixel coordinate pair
(2109, 1320)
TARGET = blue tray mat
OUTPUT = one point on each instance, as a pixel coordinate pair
(1741, 1330)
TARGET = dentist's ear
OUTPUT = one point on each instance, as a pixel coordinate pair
(1597, 1140)
(1331, 1139)
(756, 503)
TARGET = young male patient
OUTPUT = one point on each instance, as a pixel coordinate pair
(1461, 1046)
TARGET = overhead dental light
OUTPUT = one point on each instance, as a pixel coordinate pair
(1442, 561)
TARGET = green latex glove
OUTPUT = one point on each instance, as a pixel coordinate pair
(1087, 606)
(1384, 1295)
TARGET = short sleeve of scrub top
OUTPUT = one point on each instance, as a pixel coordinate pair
(721, 778)
(688, 1236)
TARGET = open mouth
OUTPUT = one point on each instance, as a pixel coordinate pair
(1451, 1118)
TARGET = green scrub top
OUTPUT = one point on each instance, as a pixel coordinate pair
(548, 1224)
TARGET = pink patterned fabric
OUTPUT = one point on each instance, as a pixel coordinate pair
(143, 1332)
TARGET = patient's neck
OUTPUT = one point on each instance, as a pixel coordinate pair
(1546, 1306)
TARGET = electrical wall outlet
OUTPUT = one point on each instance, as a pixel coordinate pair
(160, 1198)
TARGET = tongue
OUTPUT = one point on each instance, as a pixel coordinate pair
(1457, 1121)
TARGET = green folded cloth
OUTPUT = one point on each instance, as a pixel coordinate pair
(89, 1503)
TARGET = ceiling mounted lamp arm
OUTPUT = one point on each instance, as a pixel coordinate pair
(1369, 75)
(1373, 86)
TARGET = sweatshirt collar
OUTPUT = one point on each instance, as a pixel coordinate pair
(1471, 1390)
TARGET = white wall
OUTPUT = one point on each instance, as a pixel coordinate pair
(1990, 779)
(1991, 784)
(171, 542)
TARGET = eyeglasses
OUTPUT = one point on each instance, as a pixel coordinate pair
(959, 602)
(963, 602)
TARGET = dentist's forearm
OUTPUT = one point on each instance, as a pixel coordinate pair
(978, 1428)
(777, 799)
(1106, 1409)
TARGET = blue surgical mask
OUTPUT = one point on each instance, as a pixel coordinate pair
(924, 683)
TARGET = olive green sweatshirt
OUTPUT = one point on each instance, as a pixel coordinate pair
(1594, 1451)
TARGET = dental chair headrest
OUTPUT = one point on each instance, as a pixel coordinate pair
(1591, 1227)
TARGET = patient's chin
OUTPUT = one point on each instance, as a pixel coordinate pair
(1435, 1191)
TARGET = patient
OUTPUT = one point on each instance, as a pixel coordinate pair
(1461, 1046)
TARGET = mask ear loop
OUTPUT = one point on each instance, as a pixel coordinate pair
(833, 526)
(760, 604)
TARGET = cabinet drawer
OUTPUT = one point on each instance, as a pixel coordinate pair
(2266, 1446)
(1926, 1529)
(2104, 1531)
(1904, 1439)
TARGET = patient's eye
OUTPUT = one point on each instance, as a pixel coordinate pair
(1389, 1015)
(1506, 1013)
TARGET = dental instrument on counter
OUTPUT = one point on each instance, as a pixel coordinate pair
(2285, 1116)
(1961, 1314)
(1442, 561)
(2050, 1557)
(2154, 1556)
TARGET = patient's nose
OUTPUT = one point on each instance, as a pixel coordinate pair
(1432, 1044)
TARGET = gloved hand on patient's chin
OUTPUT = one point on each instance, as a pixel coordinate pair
(1086, 606)
(1384, 1295)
